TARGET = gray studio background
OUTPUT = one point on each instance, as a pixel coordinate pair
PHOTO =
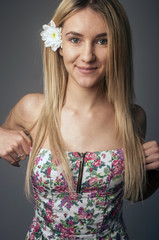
(21, 73)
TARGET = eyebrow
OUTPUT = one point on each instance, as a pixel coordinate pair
(81, 35)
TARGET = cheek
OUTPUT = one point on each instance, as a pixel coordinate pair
(69, 55)
(102, 55)
(104, 60)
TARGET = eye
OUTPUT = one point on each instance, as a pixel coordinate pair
(74, 40)
(103, 41)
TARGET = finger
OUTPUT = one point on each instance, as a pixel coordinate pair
(26, 143)
(150, 144)
(152, 166)
(21, 157)
(152, 158)
(20, 153)
(151, 152)
(22, 145)
(27, 137)
(17, 154)
(11, 161)
(13, 156)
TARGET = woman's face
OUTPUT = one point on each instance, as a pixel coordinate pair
(84, 48)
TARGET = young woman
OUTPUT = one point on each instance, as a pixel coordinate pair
(86, 149)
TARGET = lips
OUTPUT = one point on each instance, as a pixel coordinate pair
(86, 70)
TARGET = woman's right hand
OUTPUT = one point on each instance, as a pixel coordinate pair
(14, 145)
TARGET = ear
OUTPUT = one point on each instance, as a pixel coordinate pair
(60, 50)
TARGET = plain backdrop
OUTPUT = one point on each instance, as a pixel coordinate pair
(21, 73)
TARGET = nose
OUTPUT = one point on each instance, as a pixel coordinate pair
(87, 53)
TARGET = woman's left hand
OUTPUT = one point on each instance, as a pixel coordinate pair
(151, 151)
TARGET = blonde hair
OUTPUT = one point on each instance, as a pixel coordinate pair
(118, 87)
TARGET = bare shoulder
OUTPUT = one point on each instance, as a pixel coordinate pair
(31, 104)
(140, 118)
(25, 112)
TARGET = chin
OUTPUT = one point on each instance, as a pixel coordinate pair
(88, 83)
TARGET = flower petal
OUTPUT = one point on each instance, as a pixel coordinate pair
(52, 36)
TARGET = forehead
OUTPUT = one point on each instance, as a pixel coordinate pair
(85, 20)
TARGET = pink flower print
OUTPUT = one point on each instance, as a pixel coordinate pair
(110, 175)
(38, 159)
(35, 179)
(82, 215)
(40, 189)
(35, 196)
(62, 180)
(97, 163)
(68, 205)
(58, 179)
(48, 172)
(51, 203)
(101, 203)
(90, 156)
(62, 236)
(89, 215)
(73, 195)
(32, 225)
(77, 164)
(32, 237)
(115, 210)
(48, 216)
(118, 167)
(60, 189)
(104, 155)
(80, 210)
(75, 154)
(63, 230)
(36, 228)
(71, 230)
(92, 180)
(70, 222)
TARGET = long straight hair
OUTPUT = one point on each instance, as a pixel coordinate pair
(118, 88)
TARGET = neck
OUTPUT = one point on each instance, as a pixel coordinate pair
(82, 98)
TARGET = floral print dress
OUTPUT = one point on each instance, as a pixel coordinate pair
(94, 211)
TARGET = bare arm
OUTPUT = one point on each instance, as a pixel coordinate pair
(14, 142)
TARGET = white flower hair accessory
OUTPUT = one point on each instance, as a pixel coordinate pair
(52, 36)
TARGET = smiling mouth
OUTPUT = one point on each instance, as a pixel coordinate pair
(86, 70)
